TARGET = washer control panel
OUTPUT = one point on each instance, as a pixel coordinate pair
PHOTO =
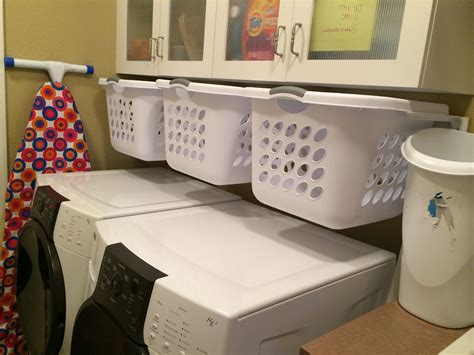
(46, 206)
(124, 287)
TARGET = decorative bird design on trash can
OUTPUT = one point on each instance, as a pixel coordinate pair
(438, 207)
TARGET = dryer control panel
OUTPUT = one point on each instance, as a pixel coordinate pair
(124, 289)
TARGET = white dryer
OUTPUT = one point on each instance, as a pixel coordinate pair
(233, 278)
(56, 246)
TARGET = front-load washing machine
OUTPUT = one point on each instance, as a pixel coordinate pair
(55, 247)
(232, 278)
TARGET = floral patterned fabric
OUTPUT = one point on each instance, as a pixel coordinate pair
(53, 142)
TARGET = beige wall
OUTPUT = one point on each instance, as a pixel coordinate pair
(83, 31)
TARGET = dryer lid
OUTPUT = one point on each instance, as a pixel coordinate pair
(115, 193)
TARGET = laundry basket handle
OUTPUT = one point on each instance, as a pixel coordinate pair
(290, 90)
(457, 122)
(180, 81)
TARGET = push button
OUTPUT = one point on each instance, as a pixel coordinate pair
(152, 336)
(156, 317)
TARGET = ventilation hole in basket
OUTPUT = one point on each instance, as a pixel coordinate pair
(243, 133)
(177, 110)
(276, 146)
(186, 139)
(113, 133)
(178, 150)
(201, 157)
(366, 199)
(302, 170)
(301, 188)
(396, 162)
(402, 177)
(112, 123)
(397, 193)
(237, 161)
(178, 136)
(171, 135)
(388, 160)
(132, 127)
(162, 109)
(377, 197)
(276, 163)
(241, 147)
(317, 174)
(126, 126)
(382, 179)
(265, 126)
(289, 166)
(248, 161)
(263, 176)
(202, 128)
(193, 141)
(185, 152)
(121, 113)
(121, 124)
(319, 155)
(162, 119)
(170, 109)
(304, 151)
(193, 154)
(263, 160)
(159, 132)
(320, 135)
(371, 180)
(133, 138)
(193, 113)
(305, 132)
(393, 141)
(170, 122)
(171, 148)
(382, 141)
(275, 180)
(245, 120)
(264, 143)
(185, 112)
(316, 193)
(185, 125)
(249, 148)
(290, 130)
(277, 127)
(193, 127)
(117, 124)
(392, 178)
(290, 148)
(178, 123)
(118, 134)
(202, 114)
(288, 184)
(202, 143)
(387, 195)
(378, 159)
(127, 137)
(123, 135)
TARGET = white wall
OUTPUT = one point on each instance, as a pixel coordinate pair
(3, 125)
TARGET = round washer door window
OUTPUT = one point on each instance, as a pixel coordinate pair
(40, 291)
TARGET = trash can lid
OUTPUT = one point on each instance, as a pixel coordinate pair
(444, 151)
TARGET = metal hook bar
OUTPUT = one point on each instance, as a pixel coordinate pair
(293, 36)
(56, 70)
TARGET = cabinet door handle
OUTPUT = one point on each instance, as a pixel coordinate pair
(150, 46)
(159, 49)
(276, 37)
(293, 35)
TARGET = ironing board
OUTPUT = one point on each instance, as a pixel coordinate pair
(53, 142)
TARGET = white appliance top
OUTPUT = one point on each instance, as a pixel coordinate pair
(116, 193)
(236, 258)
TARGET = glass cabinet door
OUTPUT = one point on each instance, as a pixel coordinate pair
(137, 36)
(358, 42)
(251, 37)
(186, 37)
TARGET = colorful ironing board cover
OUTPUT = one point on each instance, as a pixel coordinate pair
(54, 142)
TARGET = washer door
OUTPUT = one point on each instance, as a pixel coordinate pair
(40, 291)
(96, 333)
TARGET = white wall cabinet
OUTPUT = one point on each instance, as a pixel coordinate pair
(165, 37)
(401, 44)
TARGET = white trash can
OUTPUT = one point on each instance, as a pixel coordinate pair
(437, 267)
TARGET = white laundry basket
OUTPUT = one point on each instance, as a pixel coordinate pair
(136, 120)
(437, 268)
(208, 131)
(333, 159)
